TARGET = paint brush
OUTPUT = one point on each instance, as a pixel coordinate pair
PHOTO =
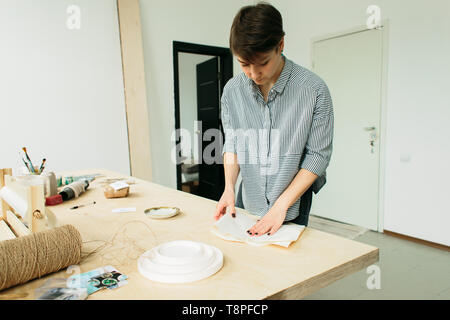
(42, 165)
(26, 164)
(31, 163)
(82, 205)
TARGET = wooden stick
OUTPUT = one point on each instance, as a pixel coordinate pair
(5, 231)
(4, 205)
(18, 227)
(37, 221)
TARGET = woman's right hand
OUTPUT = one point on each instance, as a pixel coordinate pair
(227, 200)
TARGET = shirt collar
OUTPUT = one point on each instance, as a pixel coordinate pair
(284, 76)
(281, 82)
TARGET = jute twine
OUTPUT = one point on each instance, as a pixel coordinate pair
(38, 254)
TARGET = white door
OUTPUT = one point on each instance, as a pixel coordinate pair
(351, 66)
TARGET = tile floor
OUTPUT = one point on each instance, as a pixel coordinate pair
(408, 270)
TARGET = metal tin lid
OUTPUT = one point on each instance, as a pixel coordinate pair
(162, 212)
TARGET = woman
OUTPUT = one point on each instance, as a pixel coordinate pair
(278, 123)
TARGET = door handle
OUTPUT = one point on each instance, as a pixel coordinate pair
(373, 137)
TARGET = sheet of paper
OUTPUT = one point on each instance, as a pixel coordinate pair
(236, 229)
(253, 243)
(119, 210)
(119, 185)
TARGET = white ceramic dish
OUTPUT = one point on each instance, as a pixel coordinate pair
(180, 262)
(179, 252)
(162, 212)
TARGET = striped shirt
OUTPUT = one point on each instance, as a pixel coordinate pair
(273, 140)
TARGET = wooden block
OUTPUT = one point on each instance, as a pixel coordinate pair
(37, 218)
(5, 232)
(3, 205)
(4, 172)
(2, 178)
(111, 193)
(18, 227)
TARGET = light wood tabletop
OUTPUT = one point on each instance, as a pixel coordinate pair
(314, 261)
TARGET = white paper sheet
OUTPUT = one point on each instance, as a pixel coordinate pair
(235, 229)
(121, 210)
(14, 200)
(253, 243)
(119, 185)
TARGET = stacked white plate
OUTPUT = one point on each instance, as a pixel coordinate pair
(180, 261)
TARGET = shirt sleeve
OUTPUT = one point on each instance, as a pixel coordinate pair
(320, 141)
(230, 139)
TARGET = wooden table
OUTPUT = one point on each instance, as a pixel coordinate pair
(314, 261)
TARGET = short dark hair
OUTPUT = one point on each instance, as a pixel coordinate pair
(256, 29)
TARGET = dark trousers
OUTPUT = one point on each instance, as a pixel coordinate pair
(305, 206)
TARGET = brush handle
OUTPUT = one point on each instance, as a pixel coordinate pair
(26, 165)
(31, 163)
(42, 166)
(31, 167)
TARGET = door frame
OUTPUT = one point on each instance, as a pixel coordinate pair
(226, 73)
(383, 100)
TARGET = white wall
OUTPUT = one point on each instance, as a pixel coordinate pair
(418, 100)
(61, 90)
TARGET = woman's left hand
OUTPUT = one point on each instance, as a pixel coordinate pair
(270, 223)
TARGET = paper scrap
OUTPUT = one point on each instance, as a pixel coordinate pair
(97, 279)
(119, 185)
(119, 210)
(64, 294)
(253, 243)
(235, 229)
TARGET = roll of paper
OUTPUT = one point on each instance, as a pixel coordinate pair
(19, 205)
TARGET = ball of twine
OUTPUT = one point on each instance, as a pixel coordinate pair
(38, 254)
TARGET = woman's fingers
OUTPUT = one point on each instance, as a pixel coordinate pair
(232, 210)
(260, 228)
(263, 227)
(256, 229)
(251, 231)
(220, 211)
(225, 205)
(274, 229)
(223, 208)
